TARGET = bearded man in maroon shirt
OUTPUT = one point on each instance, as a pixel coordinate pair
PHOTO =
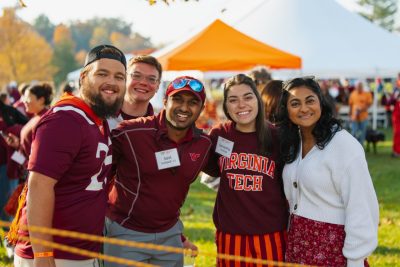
(70, 162)
(156, 160)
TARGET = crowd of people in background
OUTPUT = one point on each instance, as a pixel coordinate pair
(275, 151)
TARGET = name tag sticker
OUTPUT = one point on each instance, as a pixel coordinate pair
(167, 159)
(18, 157)
(224, 147)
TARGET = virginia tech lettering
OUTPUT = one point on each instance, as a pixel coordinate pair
(244, 161)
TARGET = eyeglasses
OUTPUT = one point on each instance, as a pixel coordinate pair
(195, 85)
(139, 77)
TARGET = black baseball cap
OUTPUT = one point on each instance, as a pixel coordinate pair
(98, 53)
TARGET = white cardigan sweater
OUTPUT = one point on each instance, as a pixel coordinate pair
(334, 186)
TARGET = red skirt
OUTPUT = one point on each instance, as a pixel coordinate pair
(315, 243)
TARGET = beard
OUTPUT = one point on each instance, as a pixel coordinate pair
(97, 103)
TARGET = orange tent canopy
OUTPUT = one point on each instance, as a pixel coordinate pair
(221, 47)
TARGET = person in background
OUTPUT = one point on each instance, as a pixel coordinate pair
(359, 102)
(397, 85)
(396, 126)
(69, 164)
(36, 99)
(250, 212)
(11, 120)
(271, 95)
(388, 101)
(324, 85)
(19, 104)
(260, 76)
(156, 159)
(68, 87)
(5, 98)
(333, 206)
(344, 91)
(12, 90)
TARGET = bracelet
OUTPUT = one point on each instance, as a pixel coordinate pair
(43, 254)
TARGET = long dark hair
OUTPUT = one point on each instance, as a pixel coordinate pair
(264, 135)
(325, 128)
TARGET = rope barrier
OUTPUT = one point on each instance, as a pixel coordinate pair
(114, 241)
(86, 253)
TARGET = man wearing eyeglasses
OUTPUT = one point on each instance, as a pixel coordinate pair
(156, 159)
(143, 79)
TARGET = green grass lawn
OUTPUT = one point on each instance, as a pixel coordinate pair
(385, 172)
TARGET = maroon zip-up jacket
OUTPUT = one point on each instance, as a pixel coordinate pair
(142, 197)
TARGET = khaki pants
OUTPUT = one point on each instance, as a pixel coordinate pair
(171, 237)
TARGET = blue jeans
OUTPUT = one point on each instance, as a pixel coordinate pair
(7, 187)
(359, 130)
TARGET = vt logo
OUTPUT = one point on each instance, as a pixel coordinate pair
(194, 156)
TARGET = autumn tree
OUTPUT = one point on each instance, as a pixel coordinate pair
(130, 43)
(24, 54)
(381, 12)
(100, 36)
(64, 53)
(111, 25)
(80, 57)
(81, 33)
(44, 27)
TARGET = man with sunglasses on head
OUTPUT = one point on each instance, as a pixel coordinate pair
(156, 159)
(142, 82)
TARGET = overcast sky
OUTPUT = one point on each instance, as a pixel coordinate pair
(160, 22)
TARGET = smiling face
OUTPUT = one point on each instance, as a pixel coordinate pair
(142, 82)
(242, 107)
(33, 104)
(304, 107)
(103, 86)
(182, 110)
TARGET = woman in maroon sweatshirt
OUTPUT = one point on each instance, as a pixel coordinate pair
(250, 212)
(36, 99)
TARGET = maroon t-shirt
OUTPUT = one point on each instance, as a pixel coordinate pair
(121, 116)
(69, 147)
(149, 112)
(250, 198)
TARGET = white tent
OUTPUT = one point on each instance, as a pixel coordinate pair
(332, 41)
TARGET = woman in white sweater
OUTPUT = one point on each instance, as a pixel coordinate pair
(333, 205)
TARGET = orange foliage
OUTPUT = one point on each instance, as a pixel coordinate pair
(24, 54)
